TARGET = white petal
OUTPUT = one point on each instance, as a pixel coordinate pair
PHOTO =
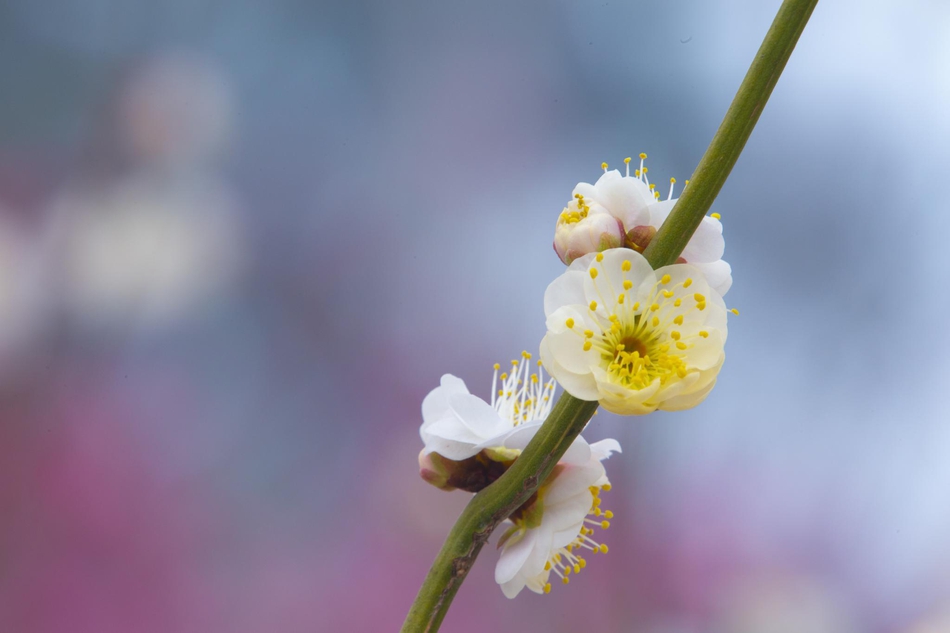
(659, 211)
(513, 587)
(477, 415)
(581, 386)
(568, 348)
(608, 285)
(604, 448)
(436, 403)
(571, 481)
(718, 274)
(627, 199)
(568, 289)
(706, 245)
(513, 556)
(452, 439)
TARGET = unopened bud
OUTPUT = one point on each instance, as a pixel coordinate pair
(639, 237)
(583, 229)
(435, 469)
(472, 474)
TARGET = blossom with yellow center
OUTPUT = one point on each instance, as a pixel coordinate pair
(553, 532)
(633, 338)
(639, 206)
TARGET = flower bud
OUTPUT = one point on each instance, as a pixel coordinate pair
(583, 228)
(472, 474)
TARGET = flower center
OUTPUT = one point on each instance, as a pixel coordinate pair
(523, 396)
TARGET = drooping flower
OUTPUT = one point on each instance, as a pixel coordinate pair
(553, 531)
(633, 338)
(636, 203)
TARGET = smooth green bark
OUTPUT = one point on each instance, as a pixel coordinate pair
(569, 415)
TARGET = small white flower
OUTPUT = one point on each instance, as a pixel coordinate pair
(459, 425)
(633, 338)
(636, 203)
(552, 531)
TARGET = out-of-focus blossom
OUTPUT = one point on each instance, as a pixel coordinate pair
(146, 251)
(633, 338)
(552, 531)
(177, 110)
(24, 293)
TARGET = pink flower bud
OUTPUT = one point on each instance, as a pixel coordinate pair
(584, 228)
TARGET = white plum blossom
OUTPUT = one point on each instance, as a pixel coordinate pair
(632, 338)
(636, 203)
(553, 531)
(459, 425)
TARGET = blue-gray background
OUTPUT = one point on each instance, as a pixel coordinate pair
(363, 198)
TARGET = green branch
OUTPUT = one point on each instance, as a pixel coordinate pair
(569, 416)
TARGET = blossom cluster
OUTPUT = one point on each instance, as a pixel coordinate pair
(620, 333)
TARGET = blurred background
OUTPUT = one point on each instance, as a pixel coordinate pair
(239, 243)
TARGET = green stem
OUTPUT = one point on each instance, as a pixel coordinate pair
(737, 125)
(491, 506)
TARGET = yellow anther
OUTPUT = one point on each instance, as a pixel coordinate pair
(699, 298)
(603, 165)
(665, 279)
(577, 568)
(497, 366)
(627, 160)
(686, 183)
(504, 375)
(672, 181)
(715, 215)
(703, 333)
(581, 562)
(588, 333)
(620, 298)
(608, 514)
(592, 306)
(603, 548)
(587, 346)
(655, 307)
(652, 186)
(606, 487)
(526, 355)
(675, 335)
(547, 566)
(565, 580)
(569, 323)
(605, 524)
(627, 284)
(625, 266)
(678, 303)
(734, 311)
(620, 347)
(612, 318)
(547, 587)
(514, 363)
(614, 327)
(655, 322)
(678, 320)
(636, 306)
(681, 345)
(668, 294)
(688, 282)
(636, 173)
(567, 571)
(643, 156)
(701, 306)
(593, 273)
(599, 257)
